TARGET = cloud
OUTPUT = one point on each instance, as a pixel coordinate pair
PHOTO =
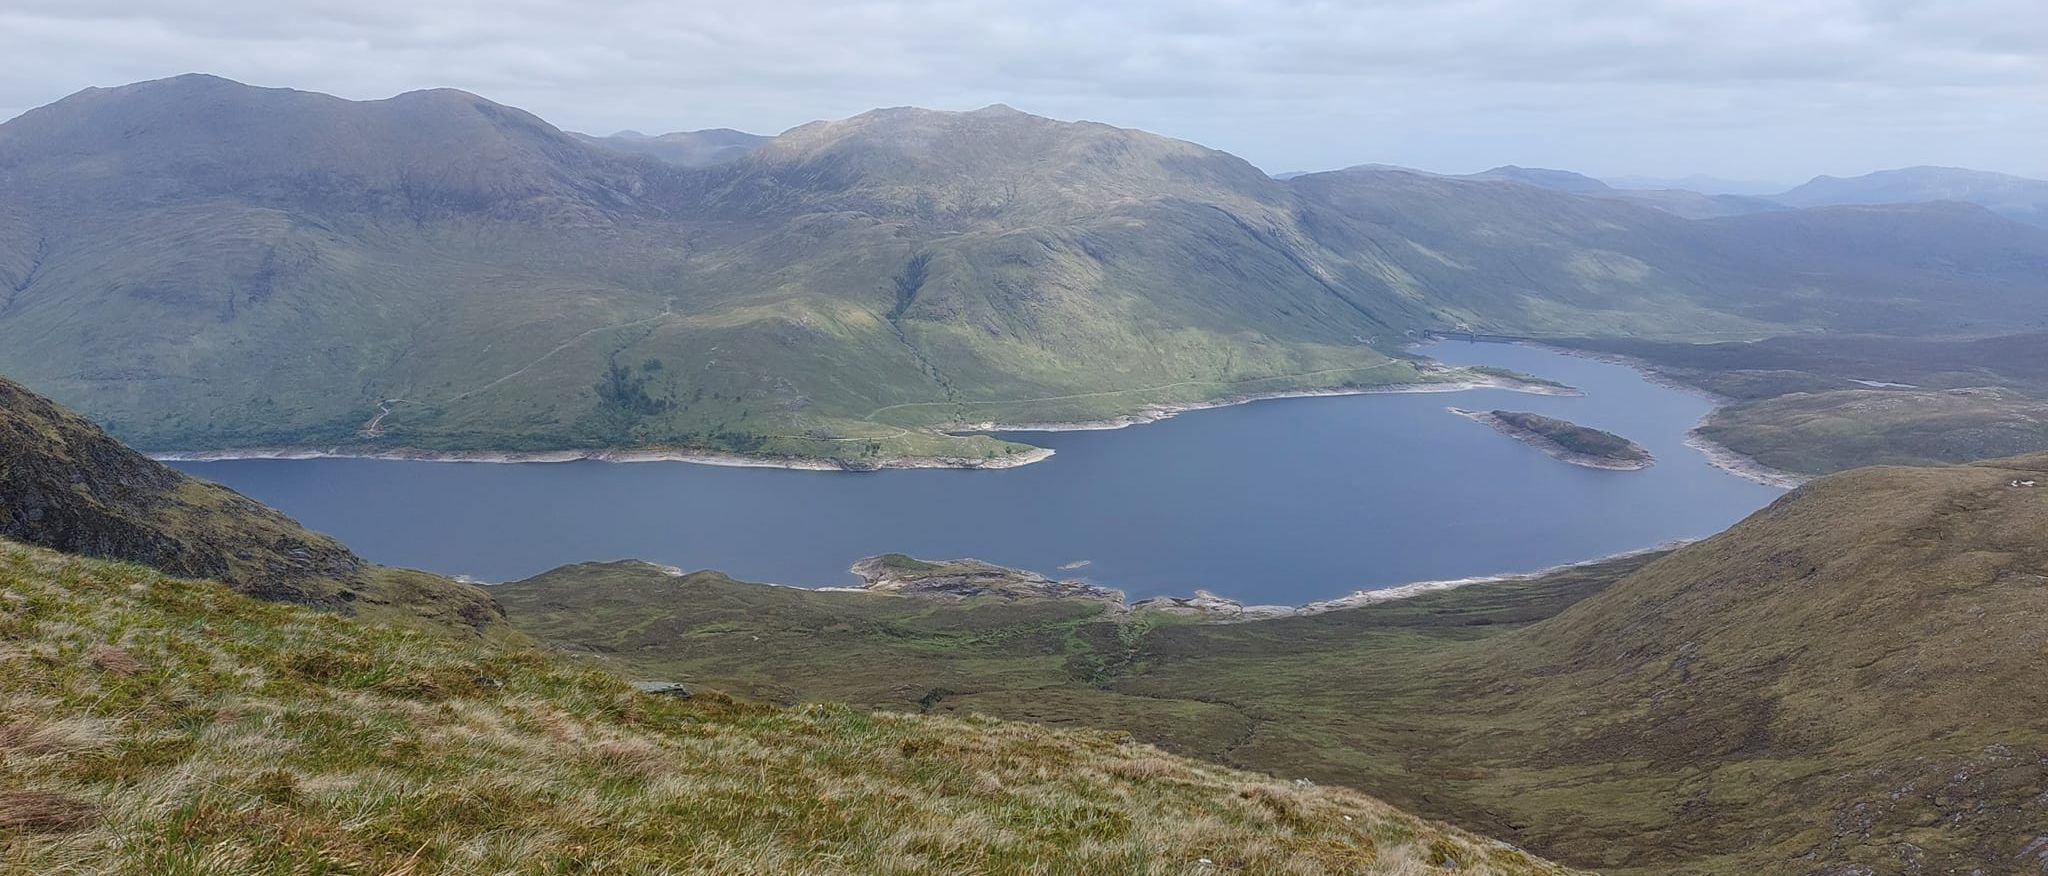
(1766, 87)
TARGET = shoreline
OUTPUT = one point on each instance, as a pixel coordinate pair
(696, 457)
(1553, 449)
(1158, 412)
(1717, 455)
(1149, 414)
(1208, 607)
(1739, 465)
(1417, 588)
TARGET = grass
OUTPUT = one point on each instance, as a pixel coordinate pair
(1827, 431)
(1845, 680)
(168, 726)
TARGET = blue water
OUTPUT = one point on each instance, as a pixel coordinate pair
(1282, 501)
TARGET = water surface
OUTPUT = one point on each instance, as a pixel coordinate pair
(1281, 501)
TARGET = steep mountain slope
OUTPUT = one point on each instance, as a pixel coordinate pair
(682, 148)
(2014, 196)
(173, 727)
(66, 485)
(200, 264)
(1849, 681)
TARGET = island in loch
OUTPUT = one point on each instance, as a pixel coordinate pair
(1565, 440)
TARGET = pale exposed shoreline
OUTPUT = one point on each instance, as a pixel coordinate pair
(1739, 465)
(1717, 455)
(1211, 608)
(1158, 412)
(1720, 457)
(1150, 414)
(697, 457)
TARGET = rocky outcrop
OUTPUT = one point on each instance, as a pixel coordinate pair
(959, 579)
(67, 485)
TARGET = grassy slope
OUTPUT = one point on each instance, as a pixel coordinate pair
(262, 267)
(173, 727)
(1795, 403)
(1848, 679)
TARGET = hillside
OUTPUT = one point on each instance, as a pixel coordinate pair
(1825, 404)
(66, 485)
(173, 727)
(1845, 682)
(683, 148)
(200, 264)
(1676, 200)
(2017, 197)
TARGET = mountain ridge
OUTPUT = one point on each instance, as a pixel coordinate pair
(850, 291)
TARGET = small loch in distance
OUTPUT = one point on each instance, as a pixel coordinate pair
(1280, 501)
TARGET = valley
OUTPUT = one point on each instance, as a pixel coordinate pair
(1281, 501)
(414, 486)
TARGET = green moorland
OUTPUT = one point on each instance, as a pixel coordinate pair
(200, 264)
(157, 725)
(1848, 681)
(1822, 404)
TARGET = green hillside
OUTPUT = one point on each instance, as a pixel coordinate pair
(163, 726)
(200, 264)
(1848, 681)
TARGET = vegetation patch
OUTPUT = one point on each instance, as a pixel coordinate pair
(232, 736)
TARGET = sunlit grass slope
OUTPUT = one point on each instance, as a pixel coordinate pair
(165, 726)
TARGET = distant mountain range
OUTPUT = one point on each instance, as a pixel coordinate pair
(1702, 197)
(2015, 196)
(1702, 183)
(684, 148)
(202, 264)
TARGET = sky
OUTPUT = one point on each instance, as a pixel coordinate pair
(1775, 90)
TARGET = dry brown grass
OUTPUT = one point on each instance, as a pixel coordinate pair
(31, 812)
(171, 727)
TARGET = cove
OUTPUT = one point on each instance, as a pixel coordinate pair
(1278, 501)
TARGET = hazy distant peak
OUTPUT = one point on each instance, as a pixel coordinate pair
(705, 148)
(2015, 197)
(1558, 180)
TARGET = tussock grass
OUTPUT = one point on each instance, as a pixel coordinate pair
(164, 726)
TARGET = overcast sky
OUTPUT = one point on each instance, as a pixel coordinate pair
(1770, 89)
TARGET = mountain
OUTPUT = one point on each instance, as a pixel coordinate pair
(64, 484)
(1849, 681)
(684, 148)
(2017, 197)
(173, 726)
(1699, 182)
(199, 264)
(1555, 180)
(1677, 201)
